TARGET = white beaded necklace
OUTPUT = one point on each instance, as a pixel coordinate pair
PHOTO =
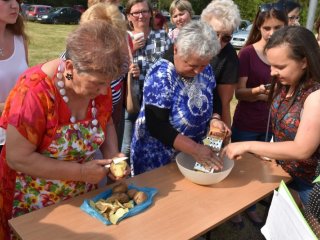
(63, 93)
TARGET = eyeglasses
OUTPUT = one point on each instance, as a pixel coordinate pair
(224, 38)
(292, 18)
(137, 14)
(266, 7)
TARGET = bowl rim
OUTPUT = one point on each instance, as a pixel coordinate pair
(199, 172)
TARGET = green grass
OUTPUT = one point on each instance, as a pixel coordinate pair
(48, 42)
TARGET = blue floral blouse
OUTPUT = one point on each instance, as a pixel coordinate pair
(190, 105)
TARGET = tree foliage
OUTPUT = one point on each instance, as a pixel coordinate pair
(248, 8)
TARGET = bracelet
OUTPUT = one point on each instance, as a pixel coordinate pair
(216, 116)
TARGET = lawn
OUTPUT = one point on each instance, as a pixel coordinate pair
(48, 42)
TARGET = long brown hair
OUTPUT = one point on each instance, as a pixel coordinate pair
(266, 11)
(18, 28)
(296, 37)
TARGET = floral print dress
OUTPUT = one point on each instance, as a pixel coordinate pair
(190, 105)
(36, 109)
(287, 115)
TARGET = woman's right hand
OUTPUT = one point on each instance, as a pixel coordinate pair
(94, 171)
(207, 157)
(138, 43)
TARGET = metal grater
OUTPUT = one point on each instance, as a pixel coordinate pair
(213, 142)
(216, 144)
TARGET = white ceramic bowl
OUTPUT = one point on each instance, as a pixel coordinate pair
(186, 163)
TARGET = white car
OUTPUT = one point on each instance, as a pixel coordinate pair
(239, 38)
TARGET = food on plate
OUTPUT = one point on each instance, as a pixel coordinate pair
(131, 193)
(140, 197)
(114, 217)
(118, 169)
(121, 197)
(119, 203)
(120, 188)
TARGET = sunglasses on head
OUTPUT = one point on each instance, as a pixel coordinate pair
(266, 7)
(224, 38)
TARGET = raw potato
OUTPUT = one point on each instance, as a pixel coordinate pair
(140, 197)
(120, 188)
(118, 170)
(121, 197)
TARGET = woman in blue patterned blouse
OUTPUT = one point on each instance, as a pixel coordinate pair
(178, 104)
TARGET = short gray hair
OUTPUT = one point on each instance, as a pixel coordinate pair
(226, 12)
(198, 38)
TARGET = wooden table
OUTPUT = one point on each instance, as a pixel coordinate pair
(181, 209)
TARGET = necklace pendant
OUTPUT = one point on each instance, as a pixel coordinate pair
(95, 129)
(76, 126)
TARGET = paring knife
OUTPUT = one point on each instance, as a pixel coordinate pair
(116, 160)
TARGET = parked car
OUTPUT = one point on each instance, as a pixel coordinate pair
(24, 8)
(80, 8)
(243, 25)
(239, 38)
(61, 15)
(34, 11)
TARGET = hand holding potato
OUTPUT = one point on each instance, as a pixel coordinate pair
(218, 126)
(119, 170)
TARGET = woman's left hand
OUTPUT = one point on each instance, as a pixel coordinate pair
(126, 173)
(234, 150)
(216, 123)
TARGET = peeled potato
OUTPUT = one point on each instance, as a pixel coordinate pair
(118, 170)
(140, 197)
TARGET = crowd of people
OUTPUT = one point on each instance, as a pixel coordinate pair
(126, 85)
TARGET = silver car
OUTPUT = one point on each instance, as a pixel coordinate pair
(240, 37)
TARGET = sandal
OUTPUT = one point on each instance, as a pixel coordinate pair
(255, 219)
(237, 222)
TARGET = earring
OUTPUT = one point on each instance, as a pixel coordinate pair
(69, 76)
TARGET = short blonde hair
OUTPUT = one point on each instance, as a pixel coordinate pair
(226, 12)
(93, 2)
(181, 5)
(107, 12)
